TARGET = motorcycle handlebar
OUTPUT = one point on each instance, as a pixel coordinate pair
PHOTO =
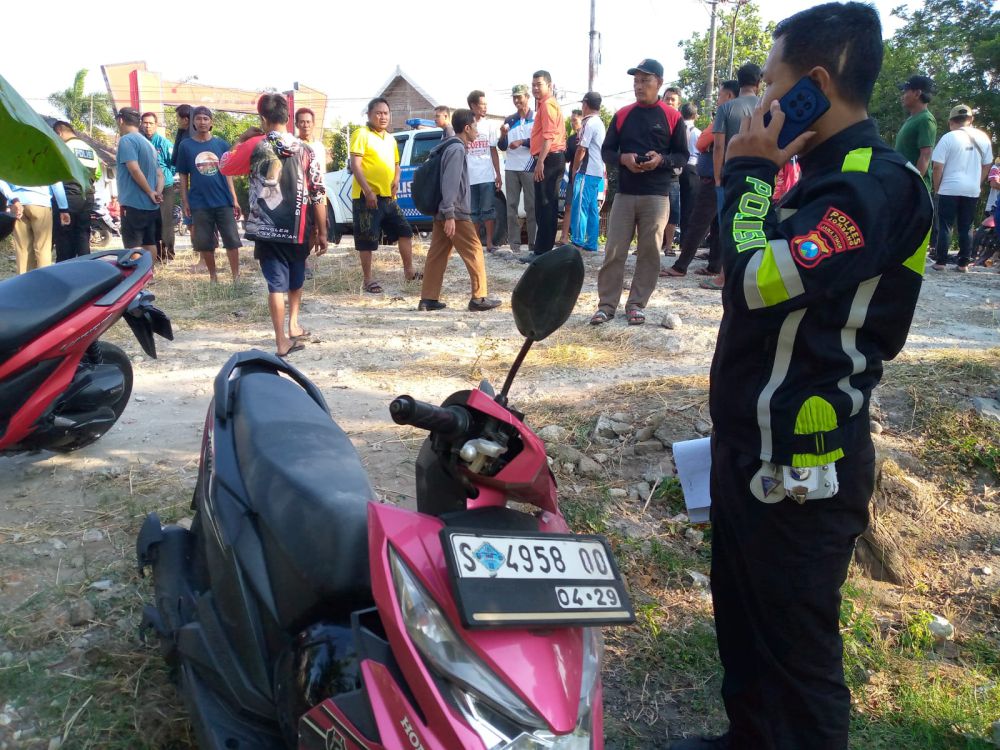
(447, 421)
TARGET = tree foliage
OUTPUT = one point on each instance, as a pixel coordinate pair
(337, 141)
(957, 44)
(753, 40)
(75, 105)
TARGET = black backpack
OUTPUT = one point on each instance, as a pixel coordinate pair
(426, 186)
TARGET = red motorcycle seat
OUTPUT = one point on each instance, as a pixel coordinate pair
(35, 301)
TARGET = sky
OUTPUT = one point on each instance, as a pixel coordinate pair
(445, 48)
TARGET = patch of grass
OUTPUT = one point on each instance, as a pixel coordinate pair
(585, 515)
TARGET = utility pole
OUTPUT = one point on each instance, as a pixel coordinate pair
(710, 85)
(592, 71)
(732, 38)
(91, 115)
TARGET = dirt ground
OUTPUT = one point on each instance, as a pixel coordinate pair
(67, 522)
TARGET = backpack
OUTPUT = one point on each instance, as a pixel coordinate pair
(425, 190)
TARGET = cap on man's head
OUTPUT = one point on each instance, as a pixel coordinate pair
(649, 65)
(918, 83)
(201, 110)
(961, 110)
(592, 99)
(519, 90)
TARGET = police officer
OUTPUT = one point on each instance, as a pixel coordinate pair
(73, 239)
(819, 291)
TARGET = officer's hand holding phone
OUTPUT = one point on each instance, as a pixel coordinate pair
(772, 134)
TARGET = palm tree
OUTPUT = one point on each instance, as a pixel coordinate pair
(83, 110)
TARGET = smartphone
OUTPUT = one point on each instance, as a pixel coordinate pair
(642, 158)
(803, 105)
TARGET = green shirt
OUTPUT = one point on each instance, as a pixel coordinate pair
(919, 131)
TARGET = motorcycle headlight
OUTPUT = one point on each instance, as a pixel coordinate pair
(493, 710)
(447, 654)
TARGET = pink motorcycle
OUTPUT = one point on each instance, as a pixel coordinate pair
(298, 612)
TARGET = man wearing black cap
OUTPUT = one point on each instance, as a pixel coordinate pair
(208, 196)
(915, 139)
(649, 140)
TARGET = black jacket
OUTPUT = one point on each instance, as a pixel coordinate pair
(637, 129)
(819, 292)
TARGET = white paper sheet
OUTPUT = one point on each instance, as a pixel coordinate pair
(693, 459)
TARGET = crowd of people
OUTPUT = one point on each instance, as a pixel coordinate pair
(818, 248)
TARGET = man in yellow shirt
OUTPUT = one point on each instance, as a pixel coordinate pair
(375, 166)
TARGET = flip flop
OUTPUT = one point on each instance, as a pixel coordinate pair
(670, 273)
(710, 284)
(417, 276)
(295, 347)
(373, 287)
(303, 335)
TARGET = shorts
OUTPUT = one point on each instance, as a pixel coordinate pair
(371, 223)
(675, 203)
(482, 198)
(206, 221)
(282, 265)
(139, 226)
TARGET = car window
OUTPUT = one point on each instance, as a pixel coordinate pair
(401, 145)
(422, 145)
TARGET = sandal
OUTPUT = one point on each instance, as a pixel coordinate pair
(295, 347)
(711, 284)
(304, 335)
(417, 276)
(373, 287)
(636, 317)
(668, 273)
(600, 317)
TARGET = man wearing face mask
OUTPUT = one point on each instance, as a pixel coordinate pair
(649, 140)
(819, 292)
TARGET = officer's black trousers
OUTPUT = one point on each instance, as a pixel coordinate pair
(776, 577)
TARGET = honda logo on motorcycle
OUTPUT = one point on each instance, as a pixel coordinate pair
(411, 734)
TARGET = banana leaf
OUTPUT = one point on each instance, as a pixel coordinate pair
(30, 151)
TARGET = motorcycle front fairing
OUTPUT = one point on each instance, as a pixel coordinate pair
(543, 674)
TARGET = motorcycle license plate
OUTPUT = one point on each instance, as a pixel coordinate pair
(540, 579)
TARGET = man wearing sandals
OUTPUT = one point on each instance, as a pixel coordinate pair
(649, 140)
(375, 166)
(286, 180)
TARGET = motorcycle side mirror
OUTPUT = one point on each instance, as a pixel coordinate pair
(543, 300)
(546, 294)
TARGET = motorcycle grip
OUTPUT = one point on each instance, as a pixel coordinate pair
(448, 421)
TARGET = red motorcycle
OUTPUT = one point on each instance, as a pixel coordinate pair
(60, 387)
(297, 612)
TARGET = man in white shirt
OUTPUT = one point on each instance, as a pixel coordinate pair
(484, 168)
(305, 124)
(689, 177)
(515, 141)
(961, 160)
(588, 166)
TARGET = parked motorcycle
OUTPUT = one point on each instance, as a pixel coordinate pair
(61, 388)
(102, 228)
(298, 612)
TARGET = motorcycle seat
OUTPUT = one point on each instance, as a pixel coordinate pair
(310, 493)
(34, 301)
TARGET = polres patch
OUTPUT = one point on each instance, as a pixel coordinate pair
(836, 233)
(811, 249)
